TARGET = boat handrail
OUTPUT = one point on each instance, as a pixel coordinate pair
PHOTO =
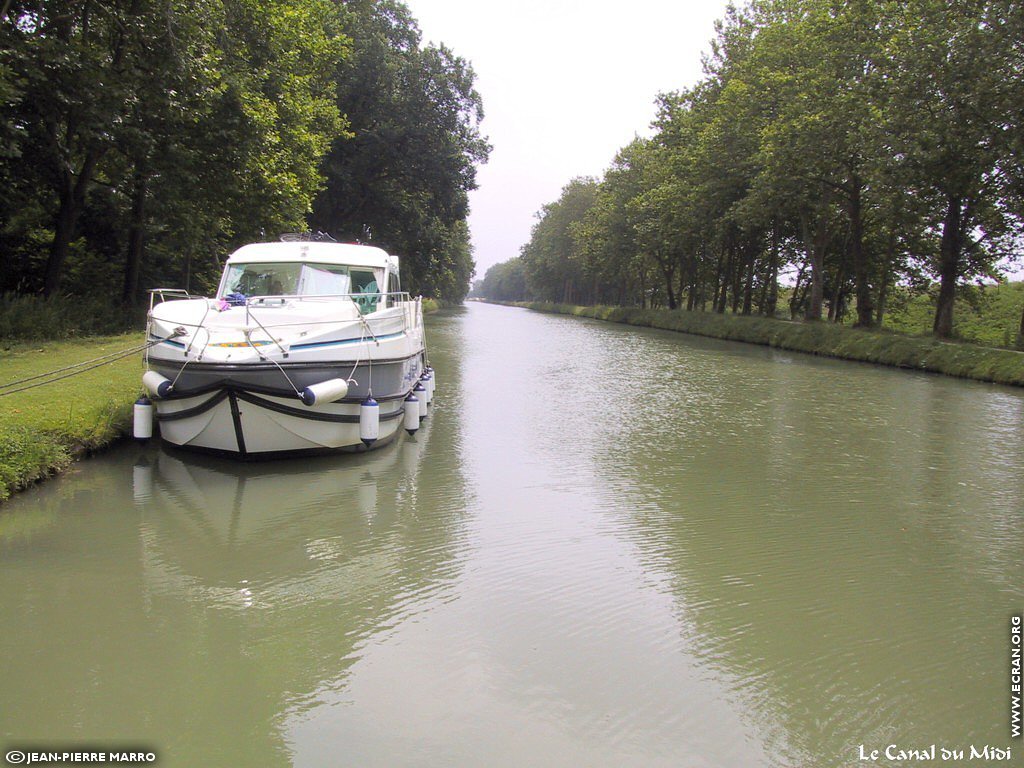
(395, 297)
(397, 300)
(168, 294)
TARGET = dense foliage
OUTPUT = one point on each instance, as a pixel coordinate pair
(403, 178)
(142, 140)
(838, 148)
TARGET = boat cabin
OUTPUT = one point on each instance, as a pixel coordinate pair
(307, 269)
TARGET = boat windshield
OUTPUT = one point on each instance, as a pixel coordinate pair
(297, 279)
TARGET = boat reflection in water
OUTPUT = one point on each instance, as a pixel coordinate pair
(283, 573)
(209, 526)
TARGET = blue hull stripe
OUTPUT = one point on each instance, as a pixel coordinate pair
(341, 342)
(316, 344)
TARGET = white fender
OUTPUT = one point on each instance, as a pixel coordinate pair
(411, 421)
(156, 384)
(421, 394)
(369, 421)
(142, 425)
(325, 392)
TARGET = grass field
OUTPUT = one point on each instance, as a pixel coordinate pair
(987, 315)
(44, 428)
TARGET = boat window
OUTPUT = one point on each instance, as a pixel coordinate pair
(323, 280)
(287, 279)
(366, 289)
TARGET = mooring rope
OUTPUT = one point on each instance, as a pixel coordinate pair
(248, 333)
(76, 368)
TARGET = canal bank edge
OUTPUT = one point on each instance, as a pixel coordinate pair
(963, 360)
(45, 427)
(34, 445)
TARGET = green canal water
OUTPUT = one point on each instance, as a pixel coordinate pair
(607, 547)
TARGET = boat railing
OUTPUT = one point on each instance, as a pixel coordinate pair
(365, 303)
(158, 295)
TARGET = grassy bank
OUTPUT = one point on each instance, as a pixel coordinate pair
(885, 348)
(436, 305)
(42, 430)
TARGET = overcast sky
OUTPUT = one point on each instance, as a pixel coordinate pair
(565, 85)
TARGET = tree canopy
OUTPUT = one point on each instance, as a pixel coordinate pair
(403, 179)
(142, 140)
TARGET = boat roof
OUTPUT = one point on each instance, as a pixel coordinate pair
(323, 253)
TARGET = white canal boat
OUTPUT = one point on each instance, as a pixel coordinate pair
(309, 346)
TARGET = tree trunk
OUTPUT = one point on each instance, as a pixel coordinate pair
(64, 227)
(815, 246)
(737, 278)
(727, 278)
(700, 303)
(668, 269)
(718, 303)
(834, 315)
(883, 298)
(1020, 332)
(817, 291)
(794, 299)
(801, 297)
(681, 270)
(773, 276)
(887, 268)
(949, 266)
(737, 281)
(840, 310)
(861, 271)
(136, 239)
(748, 288)
(71, 197)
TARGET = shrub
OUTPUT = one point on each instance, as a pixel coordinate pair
(34, 318)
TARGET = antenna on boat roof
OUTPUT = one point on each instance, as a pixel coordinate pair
(303, 237)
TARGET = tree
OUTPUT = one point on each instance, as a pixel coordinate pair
(67, 63)
(403, 178)
(553, 262)
(209, 116)
(820, 147)
(505, 282)
(613, 264)
(952, 110)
